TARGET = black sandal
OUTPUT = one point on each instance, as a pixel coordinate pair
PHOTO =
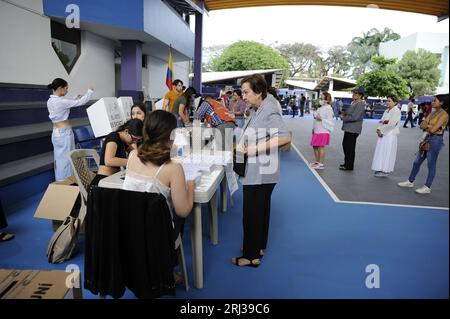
(251, 264)
(6, 237)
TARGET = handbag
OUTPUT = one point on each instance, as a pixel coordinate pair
(63, 242)
(424, 145)
(239, 163)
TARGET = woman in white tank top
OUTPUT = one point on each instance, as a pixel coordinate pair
(150, 169)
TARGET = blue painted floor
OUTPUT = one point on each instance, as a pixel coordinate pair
(317, 248)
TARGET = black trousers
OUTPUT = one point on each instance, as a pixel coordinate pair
(256, 218)
(3, 222)
(302, 110)
(409, 119)
(349, 146)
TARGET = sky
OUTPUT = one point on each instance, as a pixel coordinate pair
(323, 26)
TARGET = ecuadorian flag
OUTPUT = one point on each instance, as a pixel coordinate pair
(169, 71)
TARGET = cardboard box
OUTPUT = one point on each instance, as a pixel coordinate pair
(59, 200)
(105, 116)
(40, 284)
(125, 104)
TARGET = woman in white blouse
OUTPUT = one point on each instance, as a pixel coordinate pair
(62, 136)
(386, 150)
(322, 127)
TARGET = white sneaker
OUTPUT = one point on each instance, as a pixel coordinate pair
(313, 164)
(319, 166)
(406, 184)
(423, 190)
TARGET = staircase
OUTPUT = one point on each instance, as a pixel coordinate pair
(26, 161)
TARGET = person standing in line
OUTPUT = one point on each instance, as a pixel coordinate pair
(410, 113)
(323, 126)
(264, 133)
(302, 105)
(434, 126)
(172, 96)
(238, 107)
(307, 105)
(386, 149)
(293, 102)
(62, 136)
(352, 119)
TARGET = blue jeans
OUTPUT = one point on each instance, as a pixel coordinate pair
(436, 143)
(63, 142)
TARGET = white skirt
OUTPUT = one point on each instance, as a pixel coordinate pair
(385, 154)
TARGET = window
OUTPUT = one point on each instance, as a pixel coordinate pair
(66, 43)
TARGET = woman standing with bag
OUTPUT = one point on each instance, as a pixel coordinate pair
(434, 124)
(386, 150)
(62, 136)
(263, 133)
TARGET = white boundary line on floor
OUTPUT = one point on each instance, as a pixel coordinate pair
(337, 200)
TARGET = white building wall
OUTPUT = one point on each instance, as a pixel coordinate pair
(436, 43)
(165, 25)
(154, 77)
(27, 56)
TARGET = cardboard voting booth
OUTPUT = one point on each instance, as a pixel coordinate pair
(125, 104)
(40, 284)
(105, 116)
(59, 200)
(159, 104)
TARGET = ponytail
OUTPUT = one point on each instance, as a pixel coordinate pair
(57, 83)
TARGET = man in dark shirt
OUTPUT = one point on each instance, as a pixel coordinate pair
(352, 126)
(302, 105)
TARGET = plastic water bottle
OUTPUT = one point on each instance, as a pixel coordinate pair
(180, 151)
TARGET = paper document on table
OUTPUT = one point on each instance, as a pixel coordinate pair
(192, 175)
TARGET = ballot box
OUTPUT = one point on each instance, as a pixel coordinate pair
(105, 116)
(125, 104)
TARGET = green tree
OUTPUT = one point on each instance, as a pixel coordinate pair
(249, 55)
(362, 49)
(208, 55)
(337, 62)
(302, 57)
(421, 71)
(384, 79)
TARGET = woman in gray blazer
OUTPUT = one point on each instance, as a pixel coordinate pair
(264, 133)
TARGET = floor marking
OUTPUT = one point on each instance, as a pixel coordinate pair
(337, 200)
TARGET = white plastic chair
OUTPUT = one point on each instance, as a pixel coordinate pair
(79, 160)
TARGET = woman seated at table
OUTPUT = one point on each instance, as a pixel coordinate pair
(150, 169)
(114, 149)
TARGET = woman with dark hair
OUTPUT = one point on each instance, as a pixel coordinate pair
(322, 127)
(183, 105)
(62, 136)
(434, 127)
(386, 150)
(150, 168)
(238, 107)
(138, 111)
(114, 150)
(263, 134)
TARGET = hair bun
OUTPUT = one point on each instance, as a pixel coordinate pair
(50, 86)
